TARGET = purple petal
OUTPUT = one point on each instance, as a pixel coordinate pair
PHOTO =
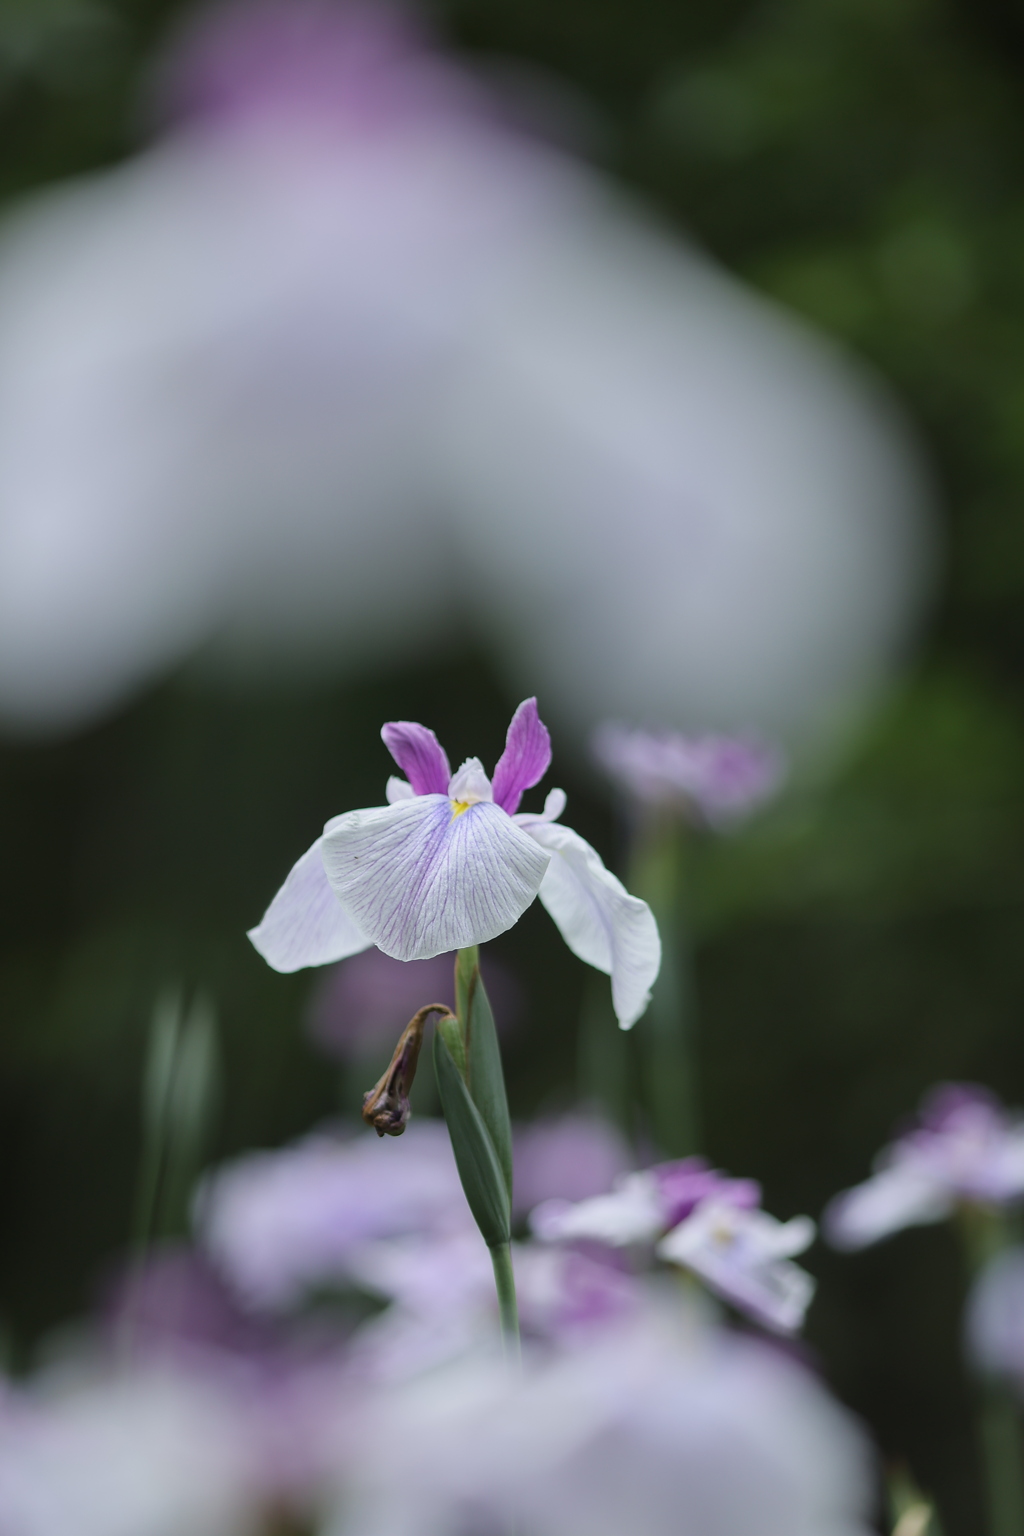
(420, 756)
(305, 923)
(526, 758)
(421, 881)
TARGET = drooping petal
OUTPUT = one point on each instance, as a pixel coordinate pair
(744, 1257)
(894, 1198)
(554, 805)
(470, 783)
(526, 758)
(305, 923)
(598, 918)
(419, 754)
(421, 880)
(398, 789)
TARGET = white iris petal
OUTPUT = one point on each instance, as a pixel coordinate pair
(420, 881)
(599, 920)
(305, 923)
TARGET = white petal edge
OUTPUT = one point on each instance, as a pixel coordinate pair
(599, 920)
(305, 923)
(554, 805)
(422, 881)
(398, 789)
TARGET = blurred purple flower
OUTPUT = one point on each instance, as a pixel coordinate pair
(567, 1157)
(175, 1301)
(717, 780)
(355, 67)
(707, 1223)
(743, 1256)
(450, 862)
(966, 1149)
(363, 1003)
(994, 1321)
(641, 1207)
(278, 1224)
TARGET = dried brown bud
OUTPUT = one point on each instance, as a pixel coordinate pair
(386, 1107)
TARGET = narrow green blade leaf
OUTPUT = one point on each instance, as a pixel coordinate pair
(482, 1178)
(485, 1078)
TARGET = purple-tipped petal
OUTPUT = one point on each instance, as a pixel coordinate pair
(422, 880)
(419, 754)
(526, 758)
(305, 923)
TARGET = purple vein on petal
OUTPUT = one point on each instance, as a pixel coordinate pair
(419, 754)
(526, 758)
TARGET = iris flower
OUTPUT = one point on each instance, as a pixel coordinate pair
(967, 1150)
(705, 1222)
(450, 861)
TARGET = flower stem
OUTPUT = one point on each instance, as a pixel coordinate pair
(508, 1311)
(657, 874)
(999, 1433)
(984, 1233)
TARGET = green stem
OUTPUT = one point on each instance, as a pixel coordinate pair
(508, 1311)
(984, 1233)
(657, 874)
(1000, 1435)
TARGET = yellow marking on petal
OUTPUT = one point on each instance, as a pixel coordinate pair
(458, 806)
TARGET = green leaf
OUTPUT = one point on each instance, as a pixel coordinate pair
(479, 1169)
(451, 1031)
(484, 1076)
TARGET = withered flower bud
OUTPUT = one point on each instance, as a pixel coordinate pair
(386, 1107)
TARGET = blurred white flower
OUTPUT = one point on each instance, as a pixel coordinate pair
(744, 1257)
(994, 1318)
(657, 1424)
(154, 1451)
(967, 1149)
(340, 342)
(279, 1224)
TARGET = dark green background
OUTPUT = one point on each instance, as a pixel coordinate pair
(862, 160)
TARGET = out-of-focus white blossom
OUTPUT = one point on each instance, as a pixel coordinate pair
(656, 1424)
(279, 1224)
(147, 1451)
(340, 343)
(967, 1150)
(994, 1318)
(744, 1257)
(708, 1224)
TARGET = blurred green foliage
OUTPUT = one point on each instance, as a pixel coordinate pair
(863, 162)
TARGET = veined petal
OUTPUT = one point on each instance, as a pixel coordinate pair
(598, 918)
(421, 880)
(526, 758)
(305, 923)
(398, 789)
(419, 754)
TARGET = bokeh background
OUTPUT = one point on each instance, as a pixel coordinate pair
(861, 161)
